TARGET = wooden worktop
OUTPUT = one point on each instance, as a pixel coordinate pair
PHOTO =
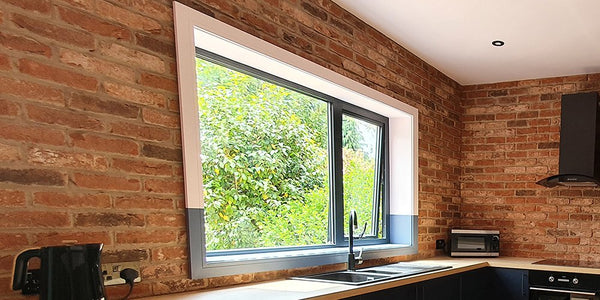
(299, 289)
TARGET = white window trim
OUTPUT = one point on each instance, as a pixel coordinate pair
(194, 29)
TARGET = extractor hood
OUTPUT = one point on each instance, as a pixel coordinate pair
(579, 157)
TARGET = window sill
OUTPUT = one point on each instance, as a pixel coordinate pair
(260, 262)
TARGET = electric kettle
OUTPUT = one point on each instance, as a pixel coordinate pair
(66, 273)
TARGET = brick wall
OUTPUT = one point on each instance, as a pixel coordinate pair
(511, 140)
(90, 145)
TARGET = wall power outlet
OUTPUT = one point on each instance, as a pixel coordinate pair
(111, 272)
(440, 244)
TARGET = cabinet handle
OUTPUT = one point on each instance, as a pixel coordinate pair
(563, 291)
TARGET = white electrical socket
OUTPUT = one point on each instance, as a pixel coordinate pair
(111, 272)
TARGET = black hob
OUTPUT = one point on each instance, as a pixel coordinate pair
(569, 263)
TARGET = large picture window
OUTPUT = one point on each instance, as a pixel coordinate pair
(278, 150)
(268, 149)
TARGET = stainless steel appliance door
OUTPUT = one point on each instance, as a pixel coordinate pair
(538, 293)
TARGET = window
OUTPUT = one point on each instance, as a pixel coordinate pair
(277, 150)
(268, 149)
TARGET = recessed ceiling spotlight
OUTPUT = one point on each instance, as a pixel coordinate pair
(498, 43)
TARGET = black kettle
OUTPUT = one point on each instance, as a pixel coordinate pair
(70, 272)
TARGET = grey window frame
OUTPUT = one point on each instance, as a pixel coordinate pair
(337, 108)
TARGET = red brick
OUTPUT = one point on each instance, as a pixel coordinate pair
(142, 167)
(261, 24)
(341, 50)
(12, 198)
(98, 105)
(33, 176)
(135, 95)
(158, 82)
(34, 219)
(4, 62)
(62, 34)
(97, 66)
(161, 118)
(353, 67)
(61, 199)
(61, 117)
(163, 186)
(142, 132)
(119, 255)
(133, 57)
(93, 24)
(155, 271)
(328, 56)
(105, 182)
(568, 240)
(104, 144)
(59, 238)
(166, 220)
(169, 253)
(42, 6)
(9, 108)
(127, 18)
(365, 62)
(12, 240)
(34, 134)
(154, 44)
(6, 263)
(32, 91)
(85, 4)
(155, 9)
(62, 76)
(109, 220)
(315, 37)
(24, 44)
(139, 201)
(9, 153)
(146, 237)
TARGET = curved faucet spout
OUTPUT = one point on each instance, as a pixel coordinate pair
(352, 225)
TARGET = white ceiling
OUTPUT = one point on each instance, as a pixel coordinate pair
(543, 38)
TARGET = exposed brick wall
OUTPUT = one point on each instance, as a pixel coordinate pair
(511, 140)
(90, 145)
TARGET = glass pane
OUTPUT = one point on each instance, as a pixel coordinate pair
(361, 153)
(264, 162)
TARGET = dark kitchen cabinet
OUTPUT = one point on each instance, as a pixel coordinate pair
(510, 283)
(447, 287)
(405, 292)
(486, 283)
(477, 284)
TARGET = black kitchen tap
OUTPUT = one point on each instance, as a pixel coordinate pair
(352, 259)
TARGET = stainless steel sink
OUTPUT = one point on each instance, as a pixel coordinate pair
(373, 274)
(347, 277)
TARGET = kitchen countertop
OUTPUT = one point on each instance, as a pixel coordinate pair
(299, 289)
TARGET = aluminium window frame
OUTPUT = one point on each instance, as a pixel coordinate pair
(381, 193)
(193, 28)
(336, 109)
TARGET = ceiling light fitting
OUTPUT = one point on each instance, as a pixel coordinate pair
(498, 43)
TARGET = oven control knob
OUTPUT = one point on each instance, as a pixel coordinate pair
(575, 281)
(551, 279)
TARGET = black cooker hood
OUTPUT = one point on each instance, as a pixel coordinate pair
(579, 157)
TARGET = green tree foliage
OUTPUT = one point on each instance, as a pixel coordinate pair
(264, 160)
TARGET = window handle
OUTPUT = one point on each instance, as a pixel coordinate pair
(363, 232)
